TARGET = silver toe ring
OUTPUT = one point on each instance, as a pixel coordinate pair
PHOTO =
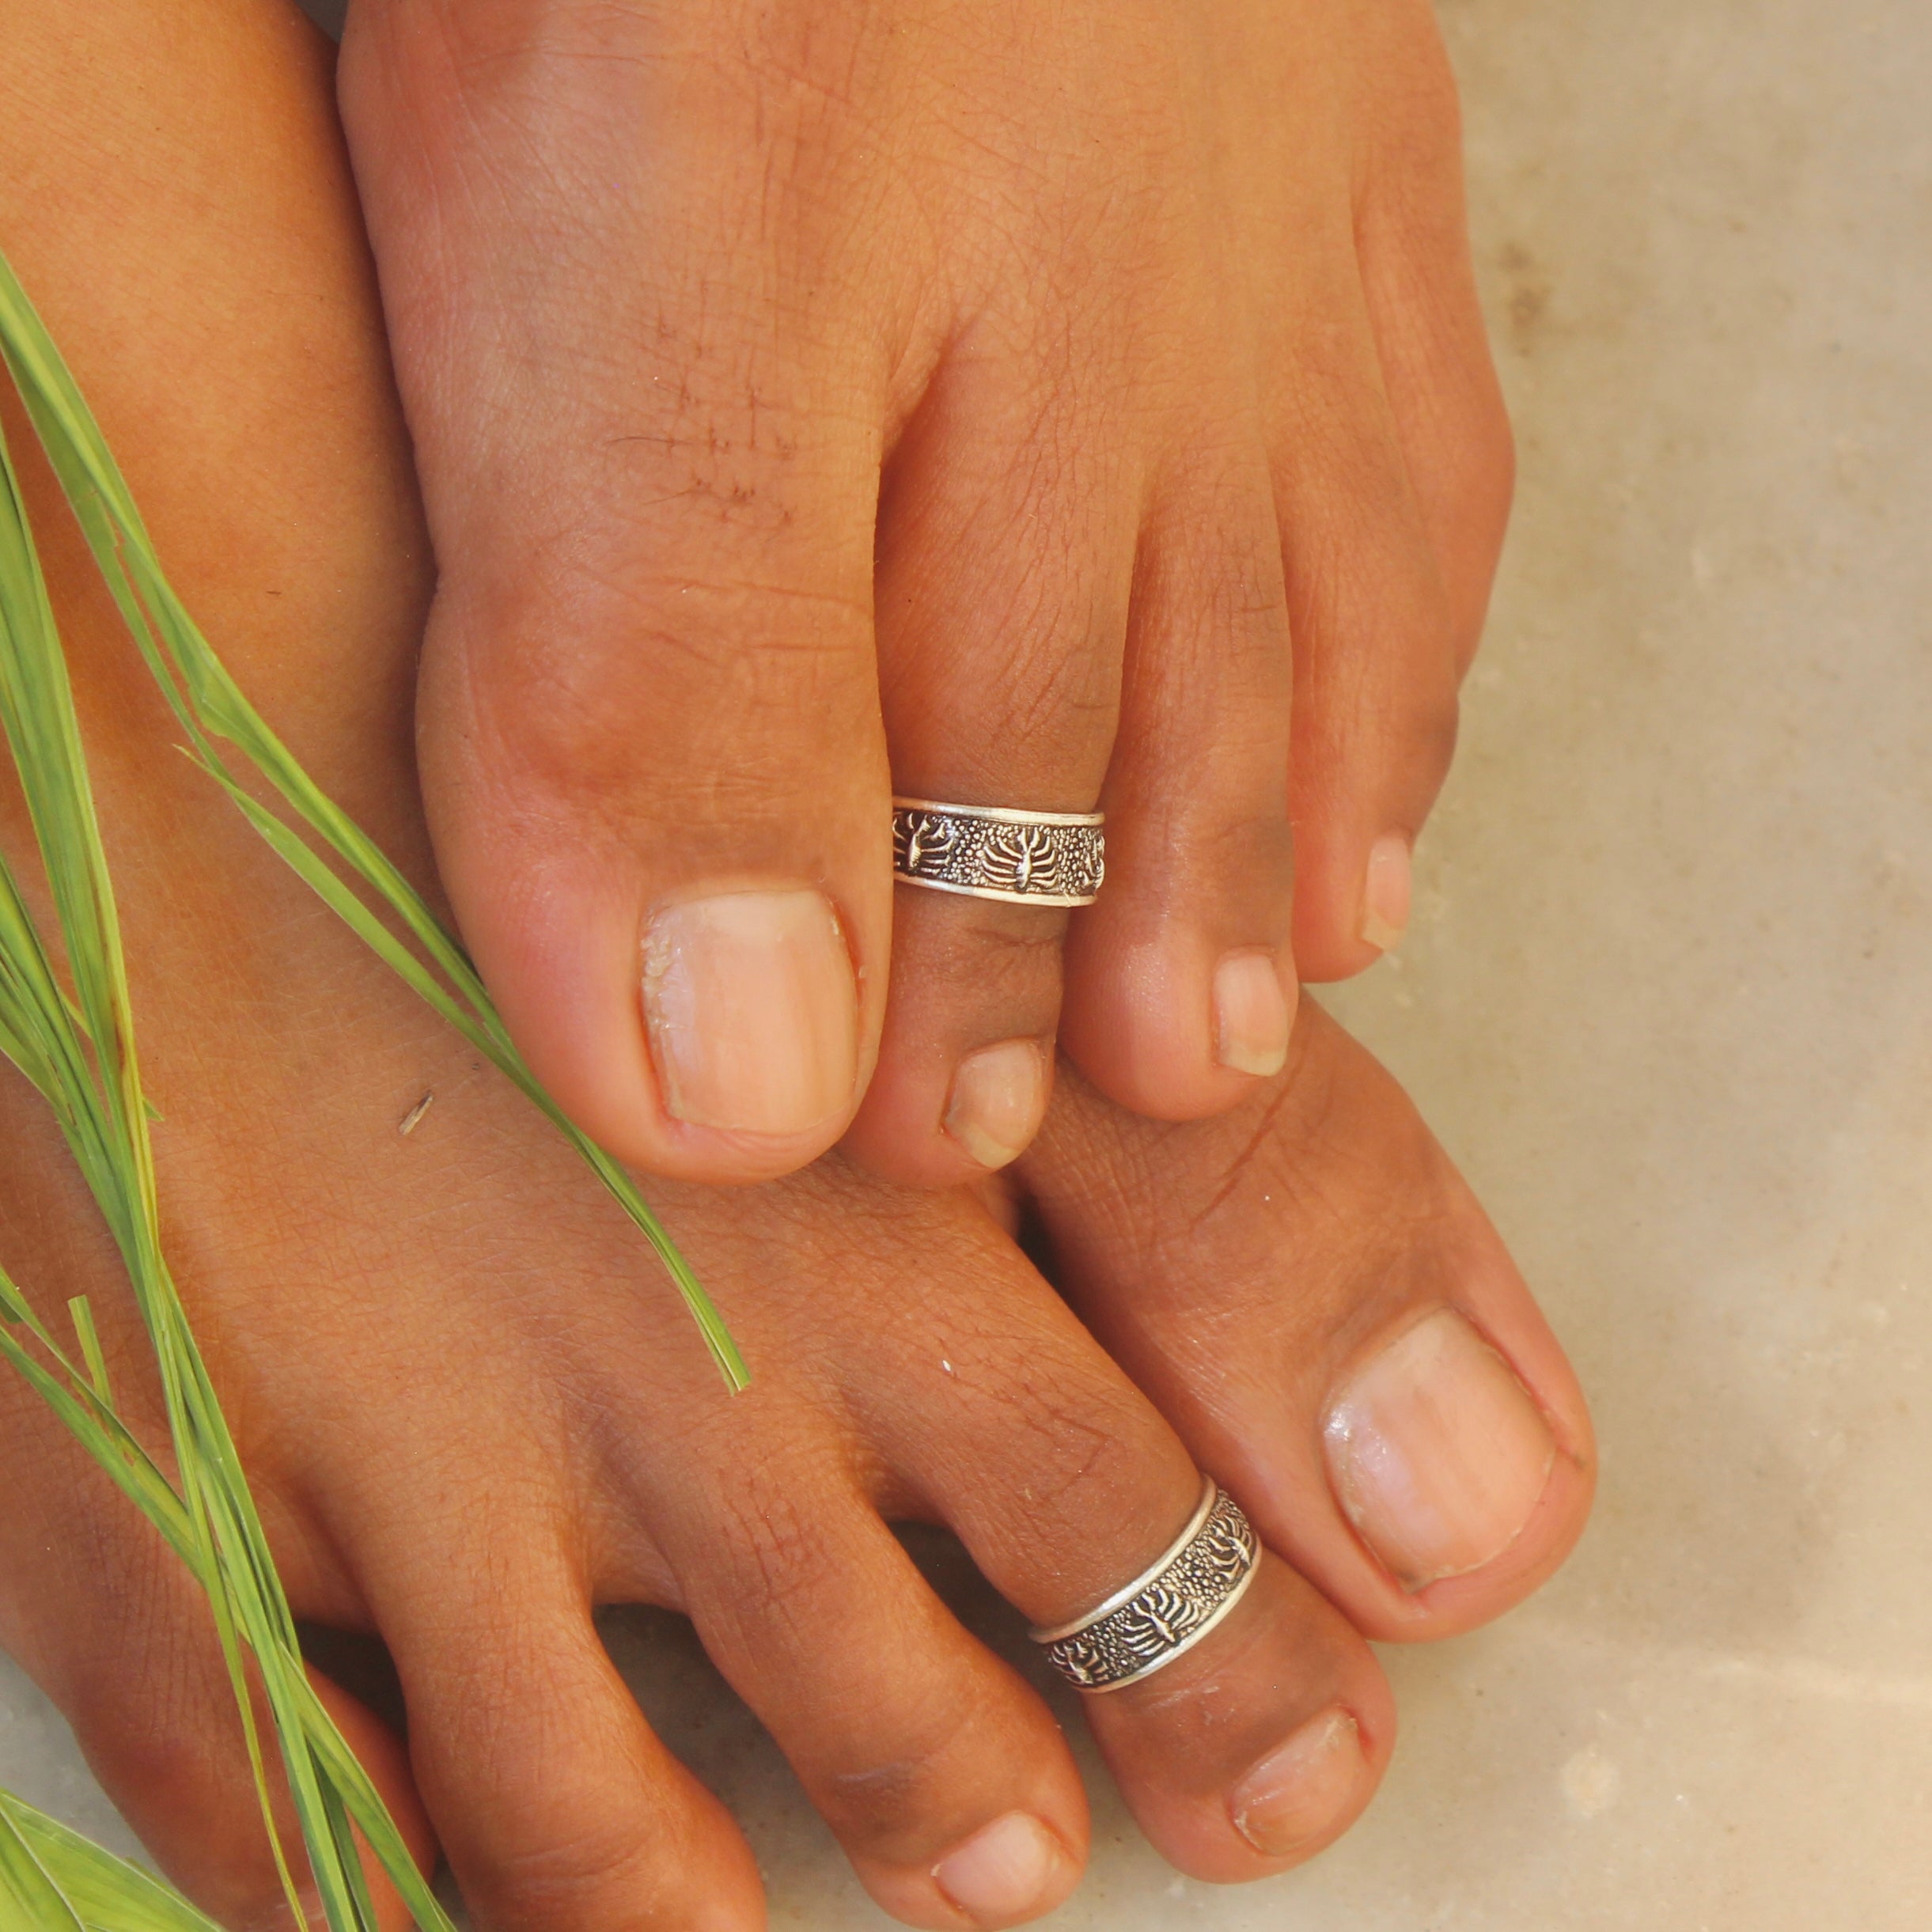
(1029, 858)
(1167, 1608)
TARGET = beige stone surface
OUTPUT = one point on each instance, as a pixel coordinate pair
(1669, 999)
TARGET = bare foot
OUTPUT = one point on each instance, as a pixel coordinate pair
(830, 398)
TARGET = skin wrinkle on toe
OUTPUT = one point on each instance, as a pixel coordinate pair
(1437, 1453)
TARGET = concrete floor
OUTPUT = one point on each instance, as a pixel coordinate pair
(1669, 999)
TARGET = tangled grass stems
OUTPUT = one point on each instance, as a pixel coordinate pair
(74, 1040)
(211, 708)
(77, 1048)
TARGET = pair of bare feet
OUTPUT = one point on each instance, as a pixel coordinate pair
(471, 1407)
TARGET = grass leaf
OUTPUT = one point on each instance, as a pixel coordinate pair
(100, 1892)
(66, 1021)
(69, 1028)
(211, 706)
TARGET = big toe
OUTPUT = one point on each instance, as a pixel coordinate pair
(1312, 1295)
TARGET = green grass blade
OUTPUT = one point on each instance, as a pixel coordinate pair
(211, 705)
(83, 1318)
(104, 1893)
(79, 1049)
(30, 1898)
(66, 1021)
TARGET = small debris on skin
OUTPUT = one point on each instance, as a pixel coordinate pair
(413, 1119)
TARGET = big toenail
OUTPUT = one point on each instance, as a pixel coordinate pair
(752, 1010)
(998, 1098)
(1004, 1871)
(1251, 1014)
(1437, 1451)
(1295, 1794)
(1385, 892)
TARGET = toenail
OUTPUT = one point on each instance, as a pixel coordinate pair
(999, 1097)
(752, 1010)
(1298, 1794)
(1251, 1014)
(1386, 893)
(1437, 1451)
(1007, 1870)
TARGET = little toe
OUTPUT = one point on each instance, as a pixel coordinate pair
(1311, 1294)
(1412, 238)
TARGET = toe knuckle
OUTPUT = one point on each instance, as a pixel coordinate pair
(1254, 852)
(1046, 666)
(1091, 1447)
(779, 1559)
(1060, 693)
(684, 690)
(566, 1874)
